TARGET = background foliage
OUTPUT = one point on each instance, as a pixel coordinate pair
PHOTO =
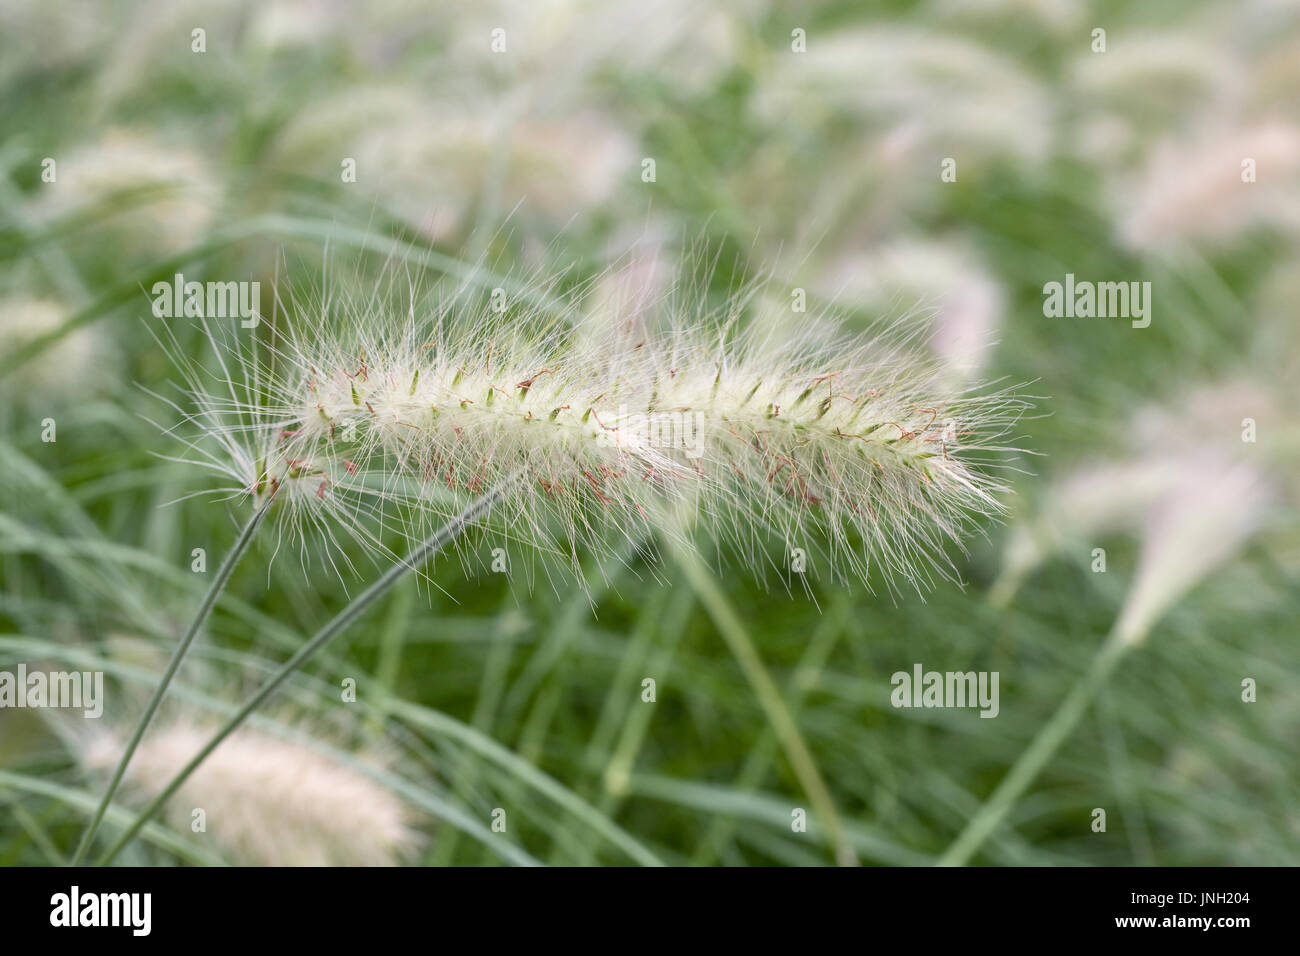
(817, 167)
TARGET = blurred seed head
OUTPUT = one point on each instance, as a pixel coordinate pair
(267, 801)
(1191, 492)
(558, 48)
(964, 302)
(75, 365)
(430, 163)
(977, 103)
(39, 35)
(1193, 189)
(1190, 533)
(1056, 15)
(168, 191)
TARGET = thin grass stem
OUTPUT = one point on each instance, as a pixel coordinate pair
(737, 638)
(214, 592)
(1036, 756)
(355, 608)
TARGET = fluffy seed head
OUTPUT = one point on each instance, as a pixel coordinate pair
(267, 801)
(815, 441)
